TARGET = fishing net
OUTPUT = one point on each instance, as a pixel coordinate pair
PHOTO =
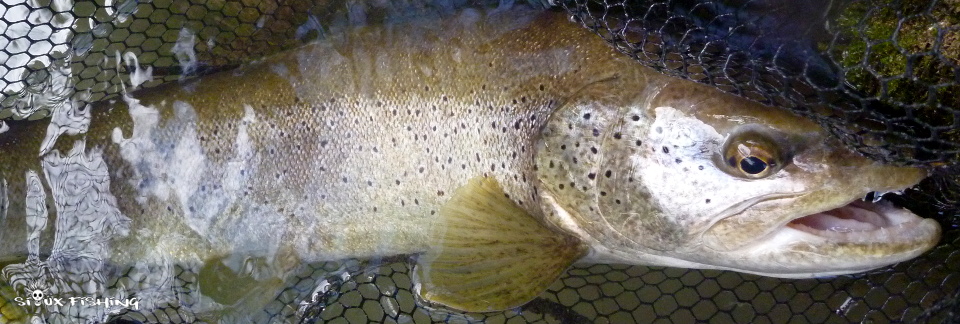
(882, 76)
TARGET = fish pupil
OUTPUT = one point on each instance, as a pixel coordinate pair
(752, 165)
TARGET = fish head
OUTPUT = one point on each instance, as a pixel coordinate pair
(681, 174)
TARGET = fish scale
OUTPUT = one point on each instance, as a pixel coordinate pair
(482, 142)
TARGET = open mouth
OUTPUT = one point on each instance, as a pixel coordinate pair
(858, 220)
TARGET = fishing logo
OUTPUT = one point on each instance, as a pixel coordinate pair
(38, 298)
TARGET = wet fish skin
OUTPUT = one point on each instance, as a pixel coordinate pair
(376, 127)
(350, 147)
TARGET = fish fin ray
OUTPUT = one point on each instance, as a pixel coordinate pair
(511, 258)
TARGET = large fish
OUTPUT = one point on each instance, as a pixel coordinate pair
(501, 146)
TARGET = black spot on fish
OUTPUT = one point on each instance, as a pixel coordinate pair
(708, 200)
(593, 150)
(608, 173)
(398, 182)
(700, 167)
(638, 142)
(617, 135)
(678, 160)
(541, 87)
(592, 176)
(551, 164)
(561, 186)
(596, 132)
(323, 143)
(563, 147)
(666, 150)
(635, 118)
(586, 116)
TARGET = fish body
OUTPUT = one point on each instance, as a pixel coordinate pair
(428, 137)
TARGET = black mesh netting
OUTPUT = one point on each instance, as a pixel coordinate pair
(883, 76)
(366, 292)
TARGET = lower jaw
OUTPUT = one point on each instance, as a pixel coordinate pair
(793, 253)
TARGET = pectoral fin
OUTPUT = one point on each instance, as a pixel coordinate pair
(488, 254)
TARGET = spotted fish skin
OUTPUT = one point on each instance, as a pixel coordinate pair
(349, 147)
(343, 148)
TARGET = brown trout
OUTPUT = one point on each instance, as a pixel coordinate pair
(501, 147)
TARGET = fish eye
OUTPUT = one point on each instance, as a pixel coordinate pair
(751, 155)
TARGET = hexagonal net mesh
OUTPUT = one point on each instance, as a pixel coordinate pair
(924, 290)
(48, 36)
(882, 76)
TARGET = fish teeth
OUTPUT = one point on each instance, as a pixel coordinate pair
(873, 197)
(876, 196)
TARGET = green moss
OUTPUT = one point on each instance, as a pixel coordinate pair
(893, 53)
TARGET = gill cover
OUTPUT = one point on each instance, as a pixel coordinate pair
(585, 163)
(679, 174)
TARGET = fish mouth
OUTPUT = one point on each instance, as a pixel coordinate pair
(869, 220)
